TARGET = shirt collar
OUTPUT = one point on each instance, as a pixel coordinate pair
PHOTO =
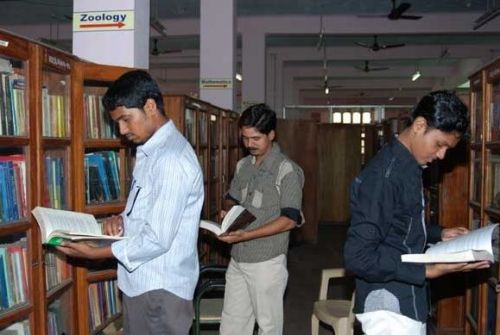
(157, 139)
(269, 159)
(403, 153)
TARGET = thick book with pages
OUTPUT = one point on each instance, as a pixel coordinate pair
(477, 245)
(57, 225)
(236, 218)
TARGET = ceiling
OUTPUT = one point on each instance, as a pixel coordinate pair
(443, 45)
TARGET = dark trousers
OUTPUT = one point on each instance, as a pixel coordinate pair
(157, 312)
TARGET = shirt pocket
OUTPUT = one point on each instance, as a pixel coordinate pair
(265, 195)
(137, 200)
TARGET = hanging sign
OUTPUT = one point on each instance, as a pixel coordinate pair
(216, 83)
(98, 21)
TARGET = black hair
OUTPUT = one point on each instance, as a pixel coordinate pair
(444, 111)
(259, 116)
(132, 90)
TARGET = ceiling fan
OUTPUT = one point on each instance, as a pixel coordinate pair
(375, 46)
(397, 12)
(368, 68)
(155, 51)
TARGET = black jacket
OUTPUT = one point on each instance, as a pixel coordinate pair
(386, 209)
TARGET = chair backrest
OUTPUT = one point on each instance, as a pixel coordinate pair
(336, 312)
(207, 308)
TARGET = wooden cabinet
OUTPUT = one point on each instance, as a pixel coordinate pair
(213, 133)
(482, 303)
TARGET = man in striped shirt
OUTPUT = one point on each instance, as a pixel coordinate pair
(269, 185)
(158, 259)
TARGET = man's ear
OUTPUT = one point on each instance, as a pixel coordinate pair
(271, 135)
(150, 106)
(419, 125)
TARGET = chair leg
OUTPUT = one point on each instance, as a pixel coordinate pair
(314, 325)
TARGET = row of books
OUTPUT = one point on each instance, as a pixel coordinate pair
(13, 204)
(192, 123)
(55, 116)
(104, 302)
(14, 289)
(56, 318)
(98, 122)
(102, 176)
(12, 105)
(18, 328)
(55, 196)
(57, 268)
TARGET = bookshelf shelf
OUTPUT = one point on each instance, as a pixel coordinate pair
(56, 291)
(97, 276)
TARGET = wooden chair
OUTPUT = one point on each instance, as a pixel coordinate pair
(337, 313)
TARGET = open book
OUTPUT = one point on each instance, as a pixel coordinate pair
(57, 225)
(236, 218)
(471, 247)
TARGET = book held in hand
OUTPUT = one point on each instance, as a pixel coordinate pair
(236, 218)
(471, 247)
(57, 225)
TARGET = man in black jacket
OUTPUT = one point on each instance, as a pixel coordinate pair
(387, 221)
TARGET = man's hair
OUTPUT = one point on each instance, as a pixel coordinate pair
(132, 90)
(444, 111)
(259, 116)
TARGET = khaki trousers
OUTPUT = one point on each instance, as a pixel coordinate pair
(254, 292)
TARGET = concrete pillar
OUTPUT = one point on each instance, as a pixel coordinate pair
(114, 32)
(254, 67)
(217, 52)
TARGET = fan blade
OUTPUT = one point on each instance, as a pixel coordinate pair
(403, 7)
(378, 68)
(370, 16)
(168, 51)
(410, 17)
(389, 46)
(364, 45)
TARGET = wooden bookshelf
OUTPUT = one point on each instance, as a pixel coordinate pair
(213, 133)
(97, 147)
(482, 301)
(53, 121)
(44, 140)
(18, 239)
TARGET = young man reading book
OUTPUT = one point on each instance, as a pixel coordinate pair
(257, 274)
(158, 260)
(387, 221)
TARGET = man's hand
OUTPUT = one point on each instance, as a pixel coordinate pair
(84, 250)
(451, 233)
(234, 236)
(440, 269)
(113, 226)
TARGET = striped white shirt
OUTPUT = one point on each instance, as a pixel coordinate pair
(161, 218)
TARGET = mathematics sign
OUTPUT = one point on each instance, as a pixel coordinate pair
(216, 83)
(98, 21)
